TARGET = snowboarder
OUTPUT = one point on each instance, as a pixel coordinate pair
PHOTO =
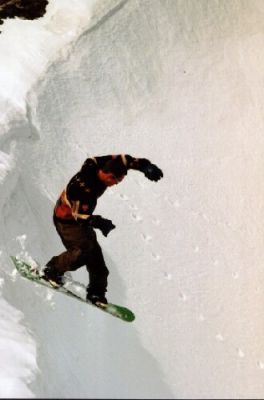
(75, 222)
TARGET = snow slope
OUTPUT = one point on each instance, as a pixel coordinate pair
(178, 82)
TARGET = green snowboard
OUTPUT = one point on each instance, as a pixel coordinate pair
(32, 273)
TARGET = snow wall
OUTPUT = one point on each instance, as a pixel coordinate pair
(180, 83)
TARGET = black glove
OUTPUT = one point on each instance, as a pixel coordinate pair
(152, 172)
(105, 225)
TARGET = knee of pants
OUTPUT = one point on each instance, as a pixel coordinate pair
(77, 257)
(77, 251)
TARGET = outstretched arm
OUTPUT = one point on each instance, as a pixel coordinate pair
(151, 171)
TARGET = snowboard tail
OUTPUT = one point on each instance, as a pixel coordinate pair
(32, 273)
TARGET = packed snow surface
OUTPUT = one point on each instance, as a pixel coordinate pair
(177, 82)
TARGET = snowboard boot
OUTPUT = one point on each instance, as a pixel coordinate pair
(96, 298)
(53, 277)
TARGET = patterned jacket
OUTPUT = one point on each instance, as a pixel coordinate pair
(78, 201)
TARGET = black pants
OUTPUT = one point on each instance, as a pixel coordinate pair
(82, 249)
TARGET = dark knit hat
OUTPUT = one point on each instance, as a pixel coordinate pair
(116, 166)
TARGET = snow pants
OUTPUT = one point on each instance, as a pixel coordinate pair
(82, 249)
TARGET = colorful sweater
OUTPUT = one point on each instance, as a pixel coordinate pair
(78, 201)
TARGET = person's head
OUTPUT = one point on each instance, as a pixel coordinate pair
(112, 173)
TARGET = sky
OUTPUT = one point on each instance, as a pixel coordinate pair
(179, 83)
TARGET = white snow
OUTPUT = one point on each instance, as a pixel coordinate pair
(180, 83)
(18, 353)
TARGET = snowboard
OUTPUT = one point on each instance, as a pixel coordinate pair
(33, 273)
